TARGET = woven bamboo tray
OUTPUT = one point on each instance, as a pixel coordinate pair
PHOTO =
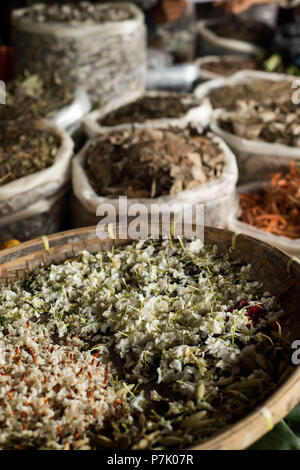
(279, 273)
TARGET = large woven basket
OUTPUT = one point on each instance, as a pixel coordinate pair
(279, 273)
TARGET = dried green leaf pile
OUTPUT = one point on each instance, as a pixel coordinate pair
(151, 107)
(34, 96)
(25, 148)
(180, 339)
(151, 163)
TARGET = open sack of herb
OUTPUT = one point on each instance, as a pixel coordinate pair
(270, 211)
(233, 34)
(275, 123)
(260, 123)
(182, 166)
(101, 47)
(150, 345)
(35, 160)
(152, 109)
(264, 136)
(245, 86)
(211, 67)
(48, 95)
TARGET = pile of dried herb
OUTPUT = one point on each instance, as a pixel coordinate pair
(36, 96)
(226, 67)
(155, 344)
(274, 123)
(76, 13)
(25, 148)
(243, 30)
(151, 163)
(274, 63)
(151, 107)
(262, 91)
(275, 209)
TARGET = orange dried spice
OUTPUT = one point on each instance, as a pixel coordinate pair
(276, 209)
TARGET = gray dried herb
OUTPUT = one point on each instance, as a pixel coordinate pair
(273, 123)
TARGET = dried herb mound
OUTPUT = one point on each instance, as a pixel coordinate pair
(262, 91)
(151, 107)
(155, 344)
(229, 67)
(76, 13)
(25, 148)
(277, 124)
(36, 96)
(276, 209)
(243, 30)
(151, 163)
